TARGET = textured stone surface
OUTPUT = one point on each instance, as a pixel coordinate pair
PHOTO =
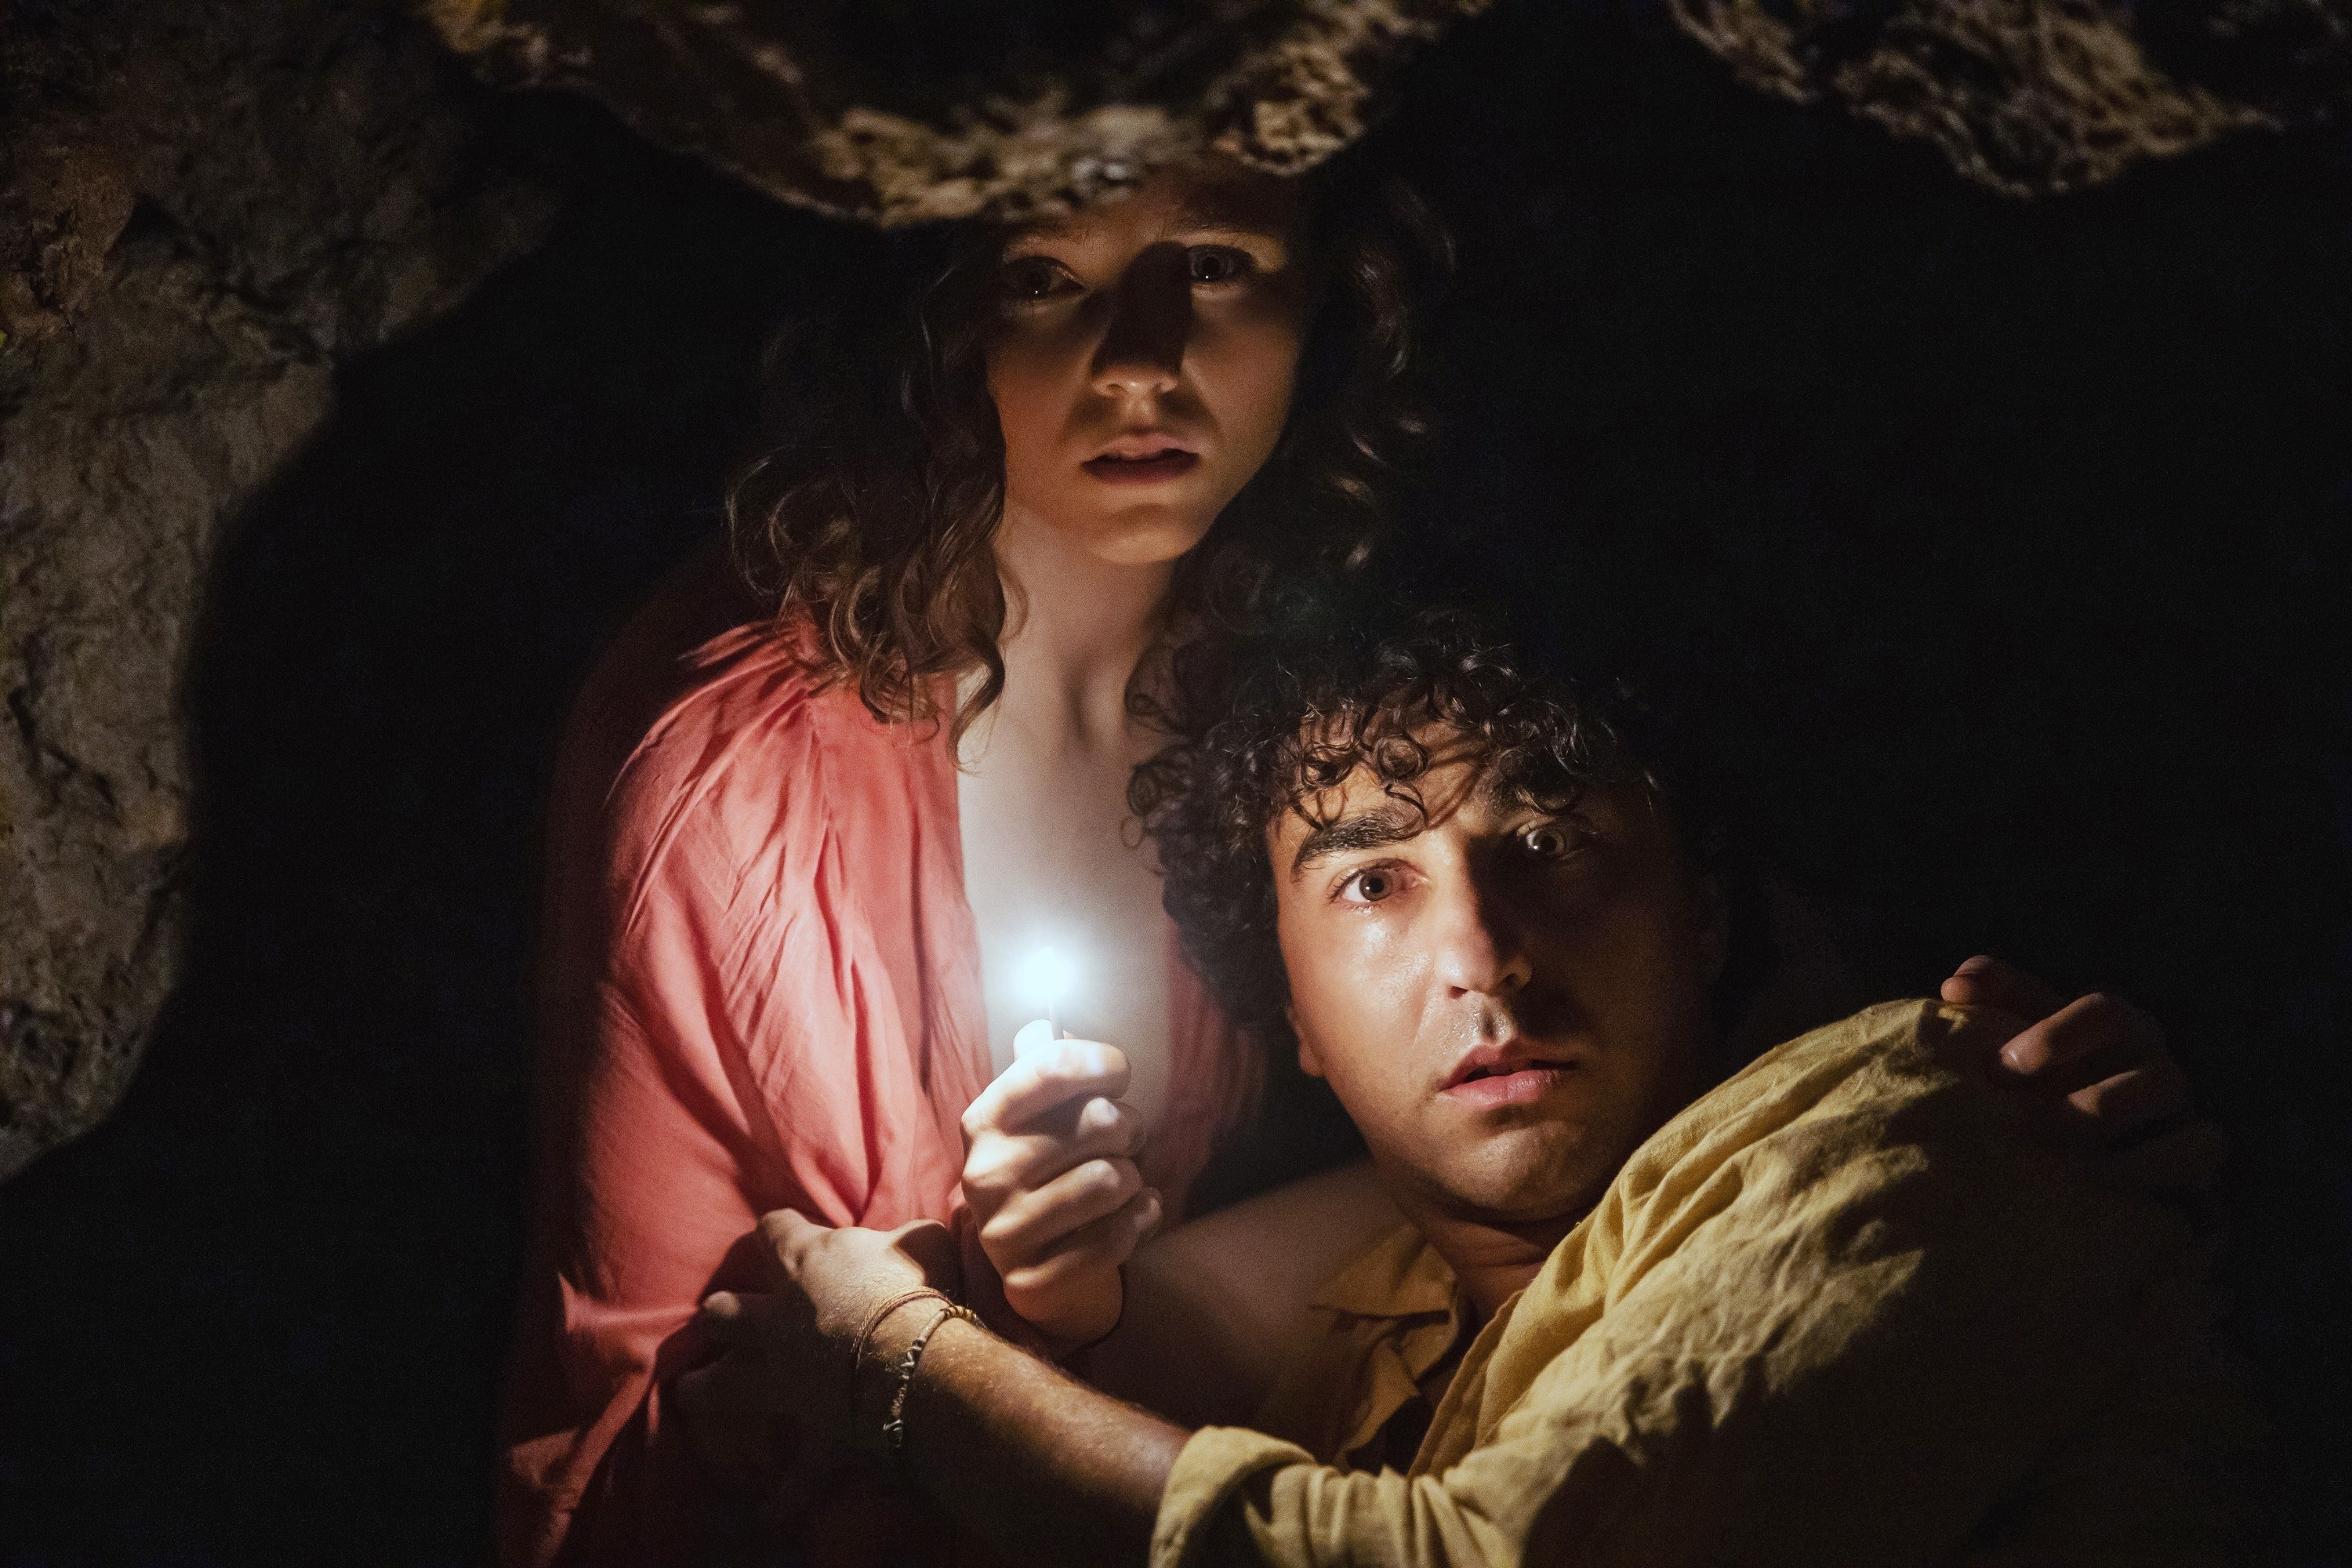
(207, 206)
(900, 112)
(2036, 98)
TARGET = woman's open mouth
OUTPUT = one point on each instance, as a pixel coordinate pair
(1156, 465)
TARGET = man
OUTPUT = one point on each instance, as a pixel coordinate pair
(1846, 1304)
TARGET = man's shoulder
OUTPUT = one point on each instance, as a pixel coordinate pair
(1892, 1121)
(1894, 1048)
(1871, 1068)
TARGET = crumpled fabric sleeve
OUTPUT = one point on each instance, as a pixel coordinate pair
(722, 1034)
(672, 1157)
(1214, 1464)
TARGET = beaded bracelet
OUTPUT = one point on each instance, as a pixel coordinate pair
(875, 1319)
(893, 1430)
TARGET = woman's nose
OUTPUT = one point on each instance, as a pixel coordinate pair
(1142, 348)
(1135, 377)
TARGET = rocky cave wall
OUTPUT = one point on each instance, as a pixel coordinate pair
(206, 208)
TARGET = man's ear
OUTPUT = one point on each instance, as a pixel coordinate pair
(1714, 927)
(1308, 1062)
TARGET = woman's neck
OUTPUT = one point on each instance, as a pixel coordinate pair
(1075, 628)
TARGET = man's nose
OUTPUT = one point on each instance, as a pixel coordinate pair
(1480, 946)
(1142, 349)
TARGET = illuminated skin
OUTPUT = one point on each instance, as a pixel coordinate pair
(1141, 367)
(1507, 1001)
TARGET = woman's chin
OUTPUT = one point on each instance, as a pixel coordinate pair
(1145, 533)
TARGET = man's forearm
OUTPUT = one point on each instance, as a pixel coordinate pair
(1029, 1459)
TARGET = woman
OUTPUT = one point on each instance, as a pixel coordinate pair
(800, 838)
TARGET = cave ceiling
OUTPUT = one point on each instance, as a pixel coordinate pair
(895, 112)
(207, 208)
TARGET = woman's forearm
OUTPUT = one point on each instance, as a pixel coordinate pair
(1031, 1460)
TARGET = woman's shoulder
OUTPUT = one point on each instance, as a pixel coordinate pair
(708, 733)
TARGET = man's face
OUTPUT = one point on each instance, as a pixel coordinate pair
(1507, 1001)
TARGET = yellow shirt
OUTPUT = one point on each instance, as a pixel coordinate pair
(1351, 1390)
(1844, 1308)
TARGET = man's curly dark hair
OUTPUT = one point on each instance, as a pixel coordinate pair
(1263, 719)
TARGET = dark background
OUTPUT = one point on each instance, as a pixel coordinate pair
(2005, 545)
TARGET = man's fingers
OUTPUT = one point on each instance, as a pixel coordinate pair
(1030, 1224)
(2186, 1162)
(698, 1391)
(2094, 1030)
(736, 1317)
(1002, 1165)
(786, 1231)
(1093, 1248)
(2133, 1100)
(1036, 1083)
(1985, 980)
(734, 1383)
(730, 1430)
(933, 1248)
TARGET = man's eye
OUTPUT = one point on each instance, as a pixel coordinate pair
(1551, 841)
(1216, 263)
(1368, 886)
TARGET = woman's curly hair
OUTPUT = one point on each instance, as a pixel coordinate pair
(1264, 720)
(878, 479)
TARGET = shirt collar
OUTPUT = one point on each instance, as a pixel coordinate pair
(1401, 1277)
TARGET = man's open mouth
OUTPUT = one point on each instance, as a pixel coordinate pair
(1504, 1072)
(1510, 1084)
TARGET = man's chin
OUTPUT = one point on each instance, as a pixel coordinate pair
(1530, 1175)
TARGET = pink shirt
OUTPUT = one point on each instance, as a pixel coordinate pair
(759, 988)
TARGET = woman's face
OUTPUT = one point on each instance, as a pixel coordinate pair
(1144, 356)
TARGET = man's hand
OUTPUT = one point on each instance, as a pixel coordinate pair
(1049, 1174)
(787, 1359)
(2103, 1064)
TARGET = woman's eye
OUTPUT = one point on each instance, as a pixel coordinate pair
(1216, 263)
(1034, 278)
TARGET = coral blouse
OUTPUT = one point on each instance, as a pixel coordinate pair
(759, 988)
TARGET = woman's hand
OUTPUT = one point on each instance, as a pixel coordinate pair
(2104, 1065)
(1049, 1174)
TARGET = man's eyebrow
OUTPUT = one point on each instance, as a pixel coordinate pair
(1365, 830)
